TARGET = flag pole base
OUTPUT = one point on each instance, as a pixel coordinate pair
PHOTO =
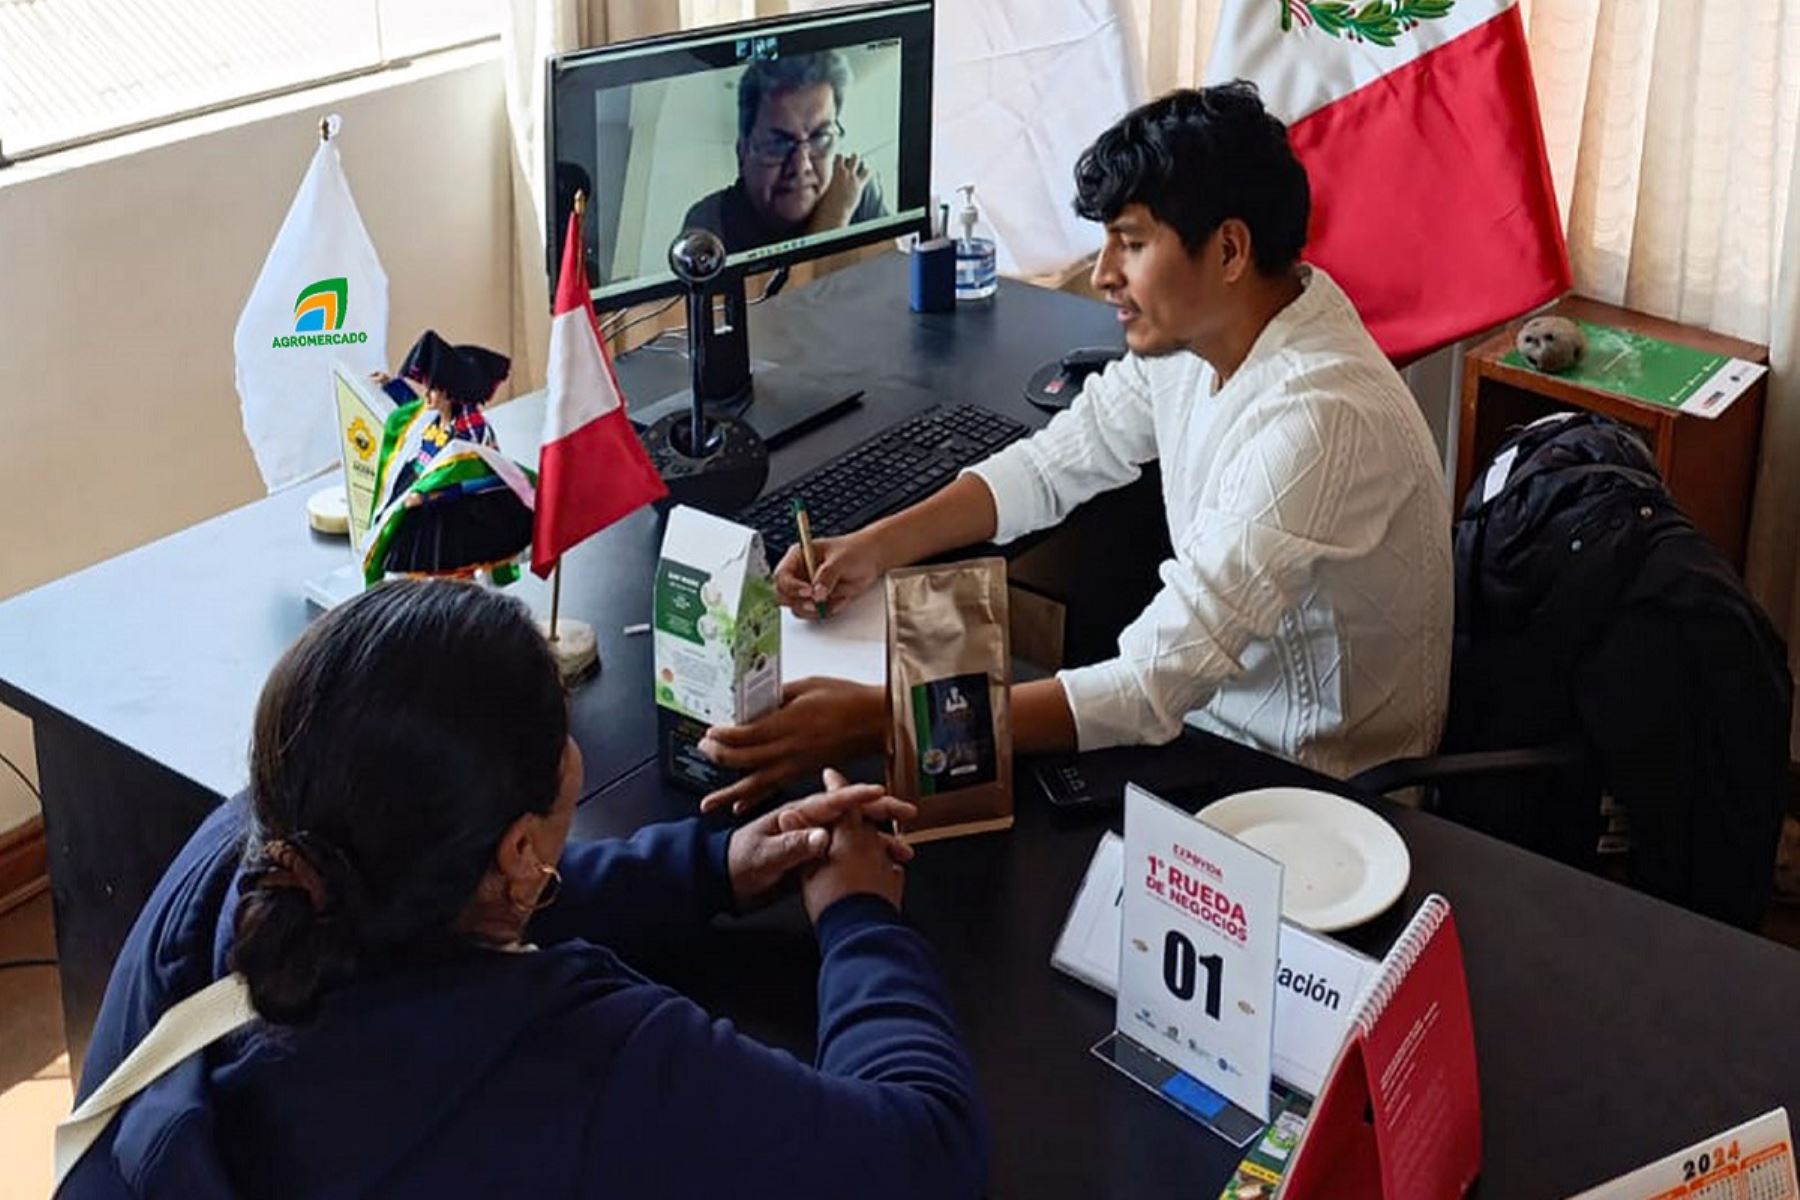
(575, 648)
(328, 511)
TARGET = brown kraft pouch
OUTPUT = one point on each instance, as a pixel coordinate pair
(949, 735)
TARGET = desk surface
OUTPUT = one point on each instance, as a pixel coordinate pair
(1610, 1027)
(164, 649)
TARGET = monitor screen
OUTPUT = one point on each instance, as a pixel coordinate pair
(789, 138)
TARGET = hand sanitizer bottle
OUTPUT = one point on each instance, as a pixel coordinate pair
(976, 276)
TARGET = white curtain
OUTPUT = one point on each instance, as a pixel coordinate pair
(536, 30)
(1774, 567)
(1671, 131)
(1670, 126)
(1173, 38)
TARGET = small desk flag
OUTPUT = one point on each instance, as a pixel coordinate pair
(592, 469)
(321, 297)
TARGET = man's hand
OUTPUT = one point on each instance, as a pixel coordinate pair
(819, 721)
(764, 853)
(862, 861)
(849, 176)
(960, 513)
(848, 567)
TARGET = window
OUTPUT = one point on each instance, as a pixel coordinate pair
(74, 71)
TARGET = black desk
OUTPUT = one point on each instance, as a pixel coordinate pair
(1610, 1027)
(140, 674)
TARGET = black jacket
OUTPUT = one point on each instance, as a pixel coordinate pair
(1589, 605)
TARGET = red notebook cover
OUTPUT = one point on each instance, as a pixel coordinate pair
(1399, 1117)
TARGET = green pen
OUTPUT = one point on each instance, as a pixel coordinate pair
(804, 525)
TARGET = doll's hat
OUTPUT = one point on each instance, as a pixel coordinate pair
(467, 374)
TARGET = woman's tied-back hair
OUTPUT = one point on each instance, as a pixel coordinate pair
(1195, 158)
(394, 744)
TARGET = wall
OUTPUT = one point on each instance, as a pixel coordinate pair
(122, 272)
(1436, 383)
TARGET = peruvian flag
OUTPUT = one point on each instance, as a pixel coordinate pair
(1418, 124)
(592, 469)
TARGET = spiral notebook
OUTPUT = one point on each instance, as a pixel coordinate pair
(1399, 1117)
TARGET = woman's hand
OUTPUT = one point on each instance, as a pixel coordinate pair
(848, 567)
(862, 861)
(764, 853)
(820, 721)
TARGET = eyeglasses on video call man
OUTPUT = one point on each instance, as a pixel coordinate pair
(791, 179)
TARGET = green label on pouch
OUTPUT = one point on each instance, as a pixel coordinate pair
(954, 722)
(678, 604)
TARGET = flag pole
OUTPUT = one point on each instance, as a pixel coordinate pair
(555, 596)
(585, 428)
(556, 572)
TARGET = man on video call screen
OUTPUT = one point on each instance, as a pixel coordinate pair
(779, 151)
(794, 174)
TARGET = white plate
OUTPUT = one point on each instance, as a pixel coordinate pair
(1344, 865)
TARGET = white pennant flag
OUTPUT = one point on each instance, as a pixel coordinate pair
(321, 296)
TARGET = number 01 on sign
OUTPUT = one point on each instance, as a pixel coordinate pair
(1200, 926)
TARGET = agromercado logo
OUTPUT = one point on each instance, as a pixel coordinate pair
(319, 313)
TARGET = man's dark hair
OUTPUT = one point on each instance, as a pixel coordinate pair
(393, 745)
(1195, 158)
(766, 76)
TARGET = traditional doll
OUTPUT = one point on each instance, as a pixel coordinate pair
(447, 502)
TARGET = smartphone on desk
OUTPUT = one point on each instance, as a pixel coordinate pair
(1095, 781)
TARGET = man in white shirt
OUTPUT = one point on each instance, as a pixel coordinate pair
(1307, 608)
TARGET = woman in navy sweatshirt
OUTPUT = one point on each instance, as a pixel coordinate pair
(438, 972)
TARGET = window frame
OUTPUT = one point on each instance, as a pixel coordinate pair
(239, 100)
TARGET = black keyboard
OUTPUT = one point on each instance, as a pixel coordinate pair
(901, 465)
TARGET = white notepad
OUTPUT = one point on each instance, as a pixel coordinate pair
(850, 645)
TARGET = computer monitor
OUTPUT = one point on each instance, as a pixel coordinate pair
(744, 129)
(789, 138)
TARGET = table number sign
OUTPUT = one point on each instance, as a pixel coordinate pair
(1317, 980)
(1201, 923)
(1755, 1161)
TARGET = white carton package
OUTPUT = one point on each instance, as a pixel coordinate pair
(717, 632)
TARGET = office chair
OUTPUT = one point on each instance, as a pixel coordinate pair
(1604, 646)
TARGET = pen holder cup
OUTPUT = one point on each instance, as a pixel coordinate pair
(934, 276)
